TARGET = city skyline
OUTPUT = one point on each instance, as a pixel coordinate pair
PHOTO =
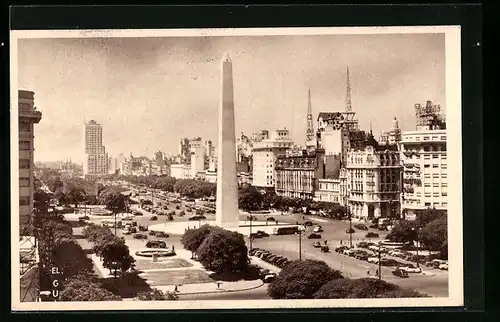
(169, 86)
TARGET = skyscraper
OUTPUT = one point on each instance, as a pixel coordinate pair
(95, 162)
(227, 214)
(310, 127)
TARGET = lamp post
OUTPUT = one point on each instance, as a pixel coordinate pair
(379, 262)
(250, 235)
(300, 243)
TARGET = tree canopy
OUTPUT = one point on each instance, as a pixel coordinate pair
(193, 238)
(223, 251)
(301, 279)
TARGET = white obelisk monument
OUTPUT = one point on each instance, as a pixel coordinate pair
(227, 214)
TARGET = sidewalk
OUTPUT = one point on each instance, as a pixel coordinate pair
(259, 262)
(203, 288)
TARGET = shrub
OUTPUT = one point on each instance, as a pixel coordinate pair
(157, 295)
(301, 279)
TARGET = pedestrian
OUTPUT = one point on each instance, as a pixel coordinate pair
(326, 242)
(173, 248)
(376, 272)
(175, 288)
(368, 271)
(341, 242)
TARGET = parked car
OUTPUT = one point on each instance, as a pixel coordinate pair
(153, 218)
(308, 223)
(443, 266)
(156, 244)
(360, 227)
(254, 235)
(140, 236)
(350, 231)
(400, 273)
(364, 244)
(373, 226)
(270, 219)
(372, 235)
(410, 268)
(162, 234)
(126, 231)
(362, 256)
(152, 232)
(318, 230)
(197, 217)
(281, 262)
(340, 249)
(395, 252)
(137, 213)
(143, 228)
(269, 278)
(389, 262)
(373, 260)
(325, 249)
(314, 236)
(83, 218)
(316, 244)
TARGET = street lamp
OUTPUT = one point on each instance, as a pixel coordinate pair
(250, 237)
(300, 242)
(379, 262)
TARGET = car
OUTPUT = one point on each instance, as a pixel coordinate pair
(364, 244)
(360, 227)
(83, 218)
(340, 249)
(262, 233)
(153, 218)
(266, 256)
(156, 244)
(389, 262)
(251, 218)
(162, 234)
(140, 236)
(268, 278)
(362, 257)
(382, 228)
(152, 232)
(350, 231)
(325, 249)
(400, 273)
(197, 217)
(314, 236)
(372, 235)
(395, 252)
(143, 228)
(373, 226)
(318, 230)
(254, 235)
(270, 219)
(316, 244)
(126, 231)
(138, 213)
(410, 268)
(128, 218)
(281, 262)
(259, 252)
(373, 260)
(443, 266)
(308, 223)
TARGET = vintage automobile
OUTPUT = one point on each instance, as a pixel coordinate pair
(400, 273)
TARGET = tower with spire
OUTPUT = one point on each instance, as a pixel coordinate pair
(310, 136)
(348, 107)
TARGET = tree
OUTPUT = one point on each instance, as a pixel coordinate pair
(157, 295)
(41, 201)
(301, 279)
(404, 231)
(84, 290)
(193, 238)
(116, 255)
(362, 288)
(76, 196)
(429, 215)
(434, 235)
(114, 201)
(70, 258)
(224, 251)
(249, 198)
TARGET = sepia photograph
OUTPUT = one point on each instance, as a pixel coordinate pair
(236, 168)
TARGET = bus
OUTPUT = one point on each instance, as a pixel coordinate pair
(290, 230)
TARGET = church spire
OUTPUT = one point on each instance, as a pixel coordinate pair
(310, 126)
(348, 107)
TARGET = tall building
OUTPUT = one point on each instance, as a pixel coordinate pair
(393, 136)
(264, 155)
(28, 116)
(424, 158)
(197, 160)
(373, 181)
(95, 159)
(159, 160)
(297, 176)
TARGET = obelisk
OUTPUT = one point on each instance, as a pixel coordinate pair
(227, 215)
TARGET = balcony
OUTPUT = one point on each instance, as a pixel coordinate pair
(31, 113)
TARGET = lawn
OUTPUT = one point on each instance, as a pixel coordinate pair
(142, 264)
(191, 276)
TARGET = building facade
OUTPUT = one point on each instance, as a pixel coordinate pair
(296, 176)
(425, 176)
(264, 155)
(95, 159)
(180, 171)
(373, 182)
(329, 190)
(393, 136)
(28, 117)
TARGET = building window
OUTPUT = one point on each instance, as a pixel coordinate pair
(435, 156)
(24, 145)
(426, 165)
(24, 201)
(444, 166)
(24, 182)
(23, 126)
(24, 163)
(435, 165)
(426, 138)
(444, 194)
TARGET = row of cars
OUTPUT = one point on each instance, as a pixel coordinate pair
(268, 257)
(372, 256)
(425, 260)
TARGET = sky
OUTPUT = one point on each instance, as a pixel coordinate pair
(148, 93)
